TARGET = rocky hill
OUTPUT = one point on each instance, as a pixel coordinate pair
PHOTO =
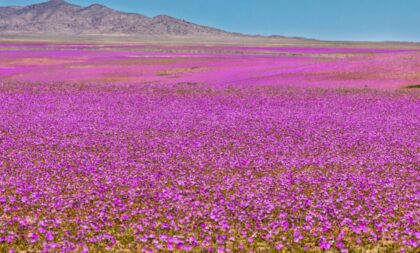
(61, 17)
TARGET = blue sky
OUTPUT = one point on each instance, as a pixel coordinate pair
(371, 20)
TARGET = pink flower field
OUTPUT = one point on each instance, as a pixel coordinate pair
(209, 65)
(151, 148)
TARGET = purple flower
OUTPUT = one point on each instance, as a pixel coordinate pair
(33, 237)
(49, 236)
(279, 246)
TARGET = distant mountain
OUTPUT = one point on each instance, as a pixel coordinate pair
(60, 17)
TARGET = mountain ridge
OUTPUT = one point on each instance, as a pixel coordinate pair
(63, 18)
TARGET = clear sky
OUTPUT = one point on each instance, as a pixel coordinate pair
(323, 19)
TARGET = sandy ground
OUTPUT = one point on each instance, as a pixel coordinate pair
(232, 40)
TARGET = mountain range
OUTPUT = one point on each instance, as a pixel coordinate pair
(61, 17)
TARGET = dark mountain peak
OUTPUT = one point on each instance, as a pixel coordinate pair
(51, 5)
(41, 13)
(97, 7)
(56, 2)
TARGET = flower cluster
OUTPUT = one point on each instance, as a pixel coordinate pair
(230, 168)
